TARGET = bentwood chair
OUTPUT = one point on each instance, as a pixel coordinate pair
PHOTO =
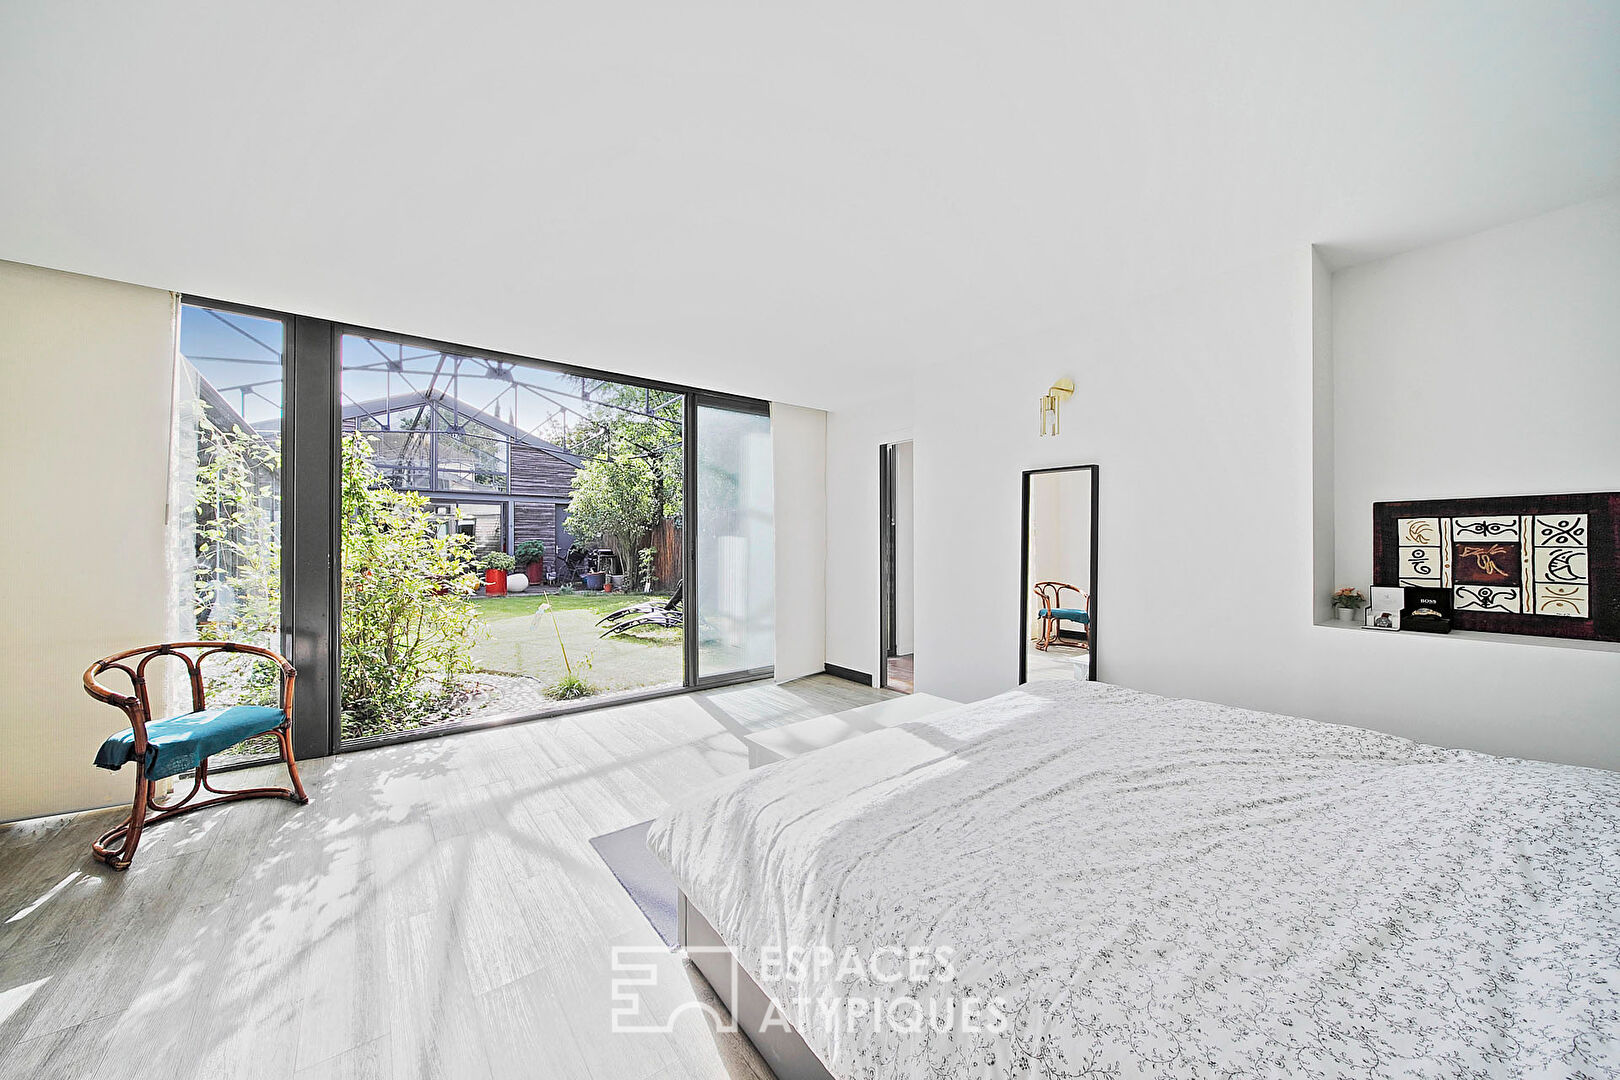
(1052, 613)
(176, 744)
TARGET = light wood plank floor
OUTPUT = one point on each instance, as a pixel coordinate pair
(436, 911)
(901, 672)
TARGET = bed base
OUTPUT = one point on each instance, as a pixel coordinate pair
(782, 1047)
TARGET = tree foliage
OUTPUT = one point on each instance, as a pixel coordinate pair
(613, 499)
(630, 480)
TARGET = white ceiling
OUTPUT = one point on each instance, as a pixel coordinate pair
(796, 201)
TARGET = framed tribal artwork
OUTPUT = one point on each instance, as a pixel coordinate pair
(1547, 565)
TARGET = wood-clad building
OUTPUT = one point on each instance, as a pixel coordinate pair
(485, 477)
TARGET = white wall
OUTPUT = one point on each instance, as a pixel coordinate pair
(1323, 570)
(1197, 404)
(799, 458)
(87, 367)
(905, 553)
(1194, 404)
(1485, 366)
(853, 437)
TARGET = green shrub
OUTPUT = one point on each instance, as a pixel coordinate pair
(530, 551)
(499, 560)
(573, 684)
(569, 687)
(407, 625)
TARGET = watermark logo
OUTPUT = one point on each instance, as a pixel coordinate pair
(636, 970)
(893, 988)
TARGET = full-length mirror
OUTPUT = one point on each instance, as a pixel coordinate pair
(1057, 625)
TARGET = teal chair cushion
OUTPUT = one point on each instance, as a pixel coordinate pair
(1069, 613)
(180, 743)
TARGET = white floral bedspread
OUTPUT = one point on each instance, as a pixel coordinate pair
(1167, 888)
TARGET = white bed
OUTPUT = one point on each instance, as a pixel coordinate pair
(1170, 888)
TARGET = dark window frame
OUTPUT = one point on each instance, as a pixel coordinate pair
(312, 424)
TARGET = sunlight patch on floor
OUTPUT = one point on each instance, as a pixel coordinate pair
(44, 899)
(15, 998)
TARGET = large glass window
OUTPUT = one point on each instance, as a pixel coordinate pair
(225, 494)
(736, 543)
(456, 465)
(636, 523)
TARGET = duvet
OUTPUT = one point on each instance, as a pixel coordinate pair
(1078, 880)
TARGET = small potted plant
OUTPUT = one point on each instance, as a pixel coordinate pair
(1349, 601)
(531, 555)
(497, 564)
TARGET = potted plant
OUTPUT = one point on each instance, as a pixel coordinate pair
(531, 555)
(1349, 601)
(497, 564)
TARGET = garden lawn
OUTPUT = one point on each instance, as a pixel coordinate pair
(521, 640)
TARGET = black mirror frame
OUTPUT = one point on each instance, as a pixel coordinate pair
(1023, 571)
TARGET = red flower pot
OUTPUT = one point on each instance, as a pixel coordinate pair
(494, 582)
(537, 573)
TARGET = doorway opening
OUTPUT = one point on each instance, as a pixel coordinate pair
(898, 567)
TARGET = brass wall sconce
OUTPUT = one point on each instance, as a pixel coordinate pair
(1049, 404)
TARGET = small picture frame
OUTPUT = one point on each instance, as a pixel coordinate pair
(1384, 612)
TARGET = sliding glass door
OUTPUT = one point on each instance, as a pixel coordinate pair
(439, 536)
(734, 549)
(511, 537)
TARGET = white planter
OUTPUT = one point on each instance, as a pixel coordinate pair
(619, 580)
(1346, 614)
(516, 582)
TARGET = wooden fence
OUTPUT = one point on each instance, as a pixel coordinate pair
(666, 538)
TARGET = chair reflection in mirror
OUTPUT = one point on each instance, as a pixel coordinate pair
(1052, 613)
